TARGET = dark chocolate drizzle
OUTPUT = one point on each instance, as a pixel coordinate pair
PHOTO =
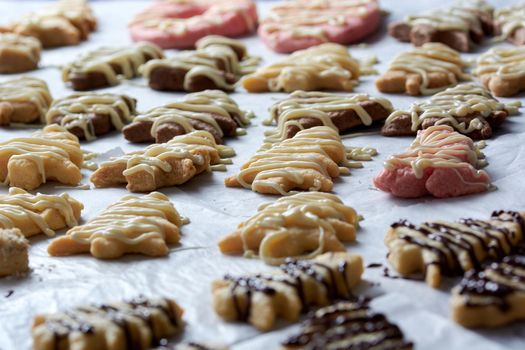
(347, 321)
(295, 272)
(76, 320)
(458, 239)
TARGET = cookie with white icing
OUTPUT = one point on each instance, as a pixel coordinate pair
(301, 226)
(164, 164)
(308, 161)
(18, 53)
(470, 109)
(509, 23)
(440, 162)
(493, 296)
(133, 224)
(39, 213)
(261, 299)
(137, 324)
(13, 252)
(217, 63)
(445, 248)
(324, 67)
(62, 23)
(423, 71)
(502, 70)
(51, 154)
(210, 110)
(306, 109)
(461, 26)
(347, 325)
(24, 100)
(106, 66)
(88, 115)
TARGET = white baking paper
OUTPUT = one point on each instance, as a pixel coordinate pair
(186, 274)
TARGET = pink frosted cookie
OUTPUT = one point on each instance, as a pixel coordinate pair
(299, 24)
(180, 23)
(440, 162)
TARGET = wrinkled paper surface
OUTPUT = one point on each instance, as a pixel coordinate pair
(186, 274)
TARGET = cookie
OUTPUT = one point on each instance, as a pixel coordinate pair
(492, 297)
(461, 26)
(13, 252)
(174, 24)
(165, 164)
(308, 161)
(49, 154)
(468, 108)
(306, 109)
(261, 299)
(106, 66)
(444, 248)
(18, 53)
(509, 23)
(502, 70)
(440, 162)
(301, 226)
(88, 115)
(217, 63)
(347, 325)
(140, 225)
(136, 324)
(24, 100)
(324, 67)
(35, 214)
(300, 24)
(63, 23)
(210, 110)
(423, 71)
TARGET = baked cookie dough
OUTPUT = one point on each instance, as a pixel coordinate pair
(217, 63)
(18, 53)
(300, 24)
(301, 226)
(261, 299)
(140, 225)
(324, 67)
(509, 23)
(347, 325)
(461, 26)
(24, 100)
(444, 248)
(165, 164)
(180, 24)
(13, 252)
(470, 109)
(308, 161)
(136, 324)
(63, 23)
(49, 154)
(502, 70)
(423, 71)
(107, 65)
(492, 297)
(88, 115)
(210, 110)
(306, 109)
(38, 213)
(440, 162)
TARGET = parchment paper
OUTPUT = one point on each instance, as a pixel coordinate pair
(186, 274)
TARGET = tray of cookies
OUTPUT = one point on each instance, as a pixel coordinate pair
(242, 174)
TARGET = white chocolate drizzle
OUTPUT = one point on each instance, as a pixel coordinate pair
(131, 220)
(448, 105)
(26, 46)
(78, 110)
(27, 90)
(20, 205)
(509, 19)
(506, 63)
